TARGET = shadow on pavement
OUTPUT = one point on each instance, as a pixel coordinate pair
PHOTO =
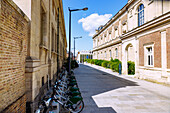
(93, 82)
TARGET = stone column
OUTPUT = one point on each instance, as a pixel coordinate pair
(164, 53)
(124, 59)
(136, 56)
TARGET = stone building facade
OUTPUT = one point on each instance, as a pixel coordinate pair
(140, 33)
(84, 54)
(14, 29)
(44, 47)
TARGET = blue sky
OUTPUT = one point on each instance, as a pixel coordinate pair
(84, 23)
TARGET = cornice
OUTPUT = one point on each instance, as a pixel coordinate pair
(110, 22)
(117, 15)
(107, 44)
(165, 18)
(148, 25)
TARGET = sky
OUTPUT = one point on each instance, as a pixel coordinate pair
(84, 23)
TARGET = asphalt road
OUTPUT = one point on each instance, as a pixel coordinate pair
(105, 93)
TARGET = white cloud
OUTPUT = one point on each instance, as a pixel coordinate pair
(93, 21)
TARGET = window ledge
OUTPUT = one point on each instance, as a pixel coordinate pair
(44, 47)
(59, 55)
(54, 52)
(147, 66)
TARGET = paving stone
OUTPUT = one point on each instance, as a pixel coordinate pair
(104, 92)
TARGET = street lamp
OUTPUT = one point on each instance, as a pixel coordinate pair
(71, 10)
(74, 44)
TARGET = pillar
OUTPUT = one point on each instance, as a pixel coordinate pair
(164, 53)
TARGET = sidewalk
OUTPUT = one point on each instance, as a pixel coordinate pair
(105, 91)
(155, 87)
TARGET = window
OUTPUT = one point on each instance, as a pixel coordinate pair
(52, 41)
(105, 37)
(110, 36)
(149, 57)
(95, 42)
(43, 27)
(101, 40)
(110, 53)
(47, 82)
(55, 42)
(54, 12)
(105, 54)
(116, 52)
(53, 7)
(116, 33)
(141, 15)
(130, 13)
(124, 28)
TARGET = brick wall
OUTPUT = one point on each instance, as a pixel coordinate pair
(13, 47)
(18, 106)
(168, 47)
(151, 38)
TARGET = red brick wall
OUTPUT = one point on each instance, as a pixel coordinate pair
(13, 47)
(151, 38)
(18, 106)
(168, 47)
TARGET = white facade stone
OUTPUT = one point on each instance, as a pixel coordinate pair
(127, 34)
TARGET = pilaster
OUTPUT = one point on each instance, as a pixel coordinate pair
(163, 53)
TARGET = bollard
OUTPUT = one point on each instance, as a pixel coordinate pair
(120, 69)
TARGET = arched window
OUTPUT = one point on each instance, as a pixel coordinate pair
(141, 15)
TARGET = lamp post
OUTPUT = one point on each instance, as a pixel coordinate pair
(71, 10)
(74, 44)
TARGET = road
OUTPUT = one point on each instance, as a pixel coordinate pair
(105, 93)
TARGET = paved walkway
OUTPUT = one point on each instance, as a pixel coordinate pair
(104, 92)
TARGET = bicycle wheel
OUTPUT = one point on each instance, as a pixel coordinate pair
(41, 110)
(77, 108)
(41, 107)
